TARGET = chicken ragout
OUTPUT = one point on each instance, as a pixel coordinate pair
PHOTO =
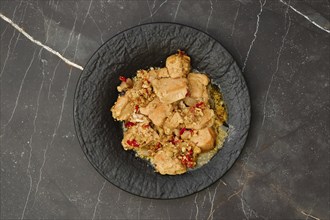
(172, 116)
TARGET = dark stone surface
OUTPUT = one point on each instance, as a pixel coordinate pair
(282, 172)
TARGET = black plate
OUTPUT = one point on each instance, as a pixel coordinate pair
(141, 47)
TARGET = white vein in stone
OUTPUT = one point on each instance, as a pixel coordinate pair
(154, 4)
(22, 16)
(14, 47)
(30, 183)
(31, 149)
(40, 172)
(210, 217)
(243, 208)
(98, 200)
(31, 140)
(255, 33)
(87, 13)
(63, 104)
(223, 182)
(98, 28)
(64, 50)
(9, 44)
(36, 115)
(35, 119)
(17, 6)
(196, 205)
(48, 26)
(274, 74)
(235, 19)
(43, 163)
(119, 193)
(51, 80)
(28, 195)
(250, 211)
(149, 10)
(59, 120)
(305, 16)
(20, 91)
(37, 108)
(4, 31)
(7, 55)
(153, 13)
(19, 29)
(232, 195)
(264, 110)
(209, 18)
(20, 20)
(177, 10)
(204, 198)
(308, 215)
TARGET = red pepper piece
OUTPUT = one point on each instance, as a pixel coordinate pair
(184, 160)
(181, 53)
(136, 108)
(190, 153)
(190, 164)
(200, 104)
(133, 143)
(192, 109)
(158, 146)
(122, 78)
(187, 159)
(146, 126)
(174, 141)
(129, 124)
(182, 131)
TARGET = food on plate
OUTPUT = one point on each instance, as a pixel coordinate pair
(172, 116)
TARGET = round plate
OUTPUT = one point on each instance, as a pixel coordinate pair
(141, 47)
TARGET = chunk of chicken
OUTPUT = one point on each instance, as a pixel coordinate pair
(157, 111)
(173, 121)
(159, 73)
(139, 136)
(153, 74)
(197, 86)
(202, 78)
(203, 121)
(178, 65)
(123, 108)
(138, 118)
(165, 162)
(205, 139)
(190, 101)
(169, 90)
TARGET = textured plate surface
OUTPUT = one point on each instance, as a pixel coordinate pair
(142, 47)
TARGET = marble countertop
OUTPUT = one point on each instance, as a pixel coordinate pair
(283, 48)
